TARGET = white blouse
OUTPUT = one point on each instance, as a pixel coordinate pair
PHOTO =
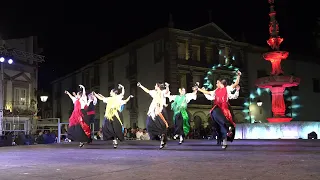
(158, 101)
(189, 97)
(212, 94)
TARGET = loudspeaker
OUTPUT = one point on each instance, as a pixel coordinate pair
(312, 135)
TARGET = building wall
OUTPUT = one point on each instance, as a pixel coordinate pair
(149, 73)
(20, 86)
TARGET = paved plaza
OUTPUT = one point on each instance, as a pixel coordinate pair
(142, 160)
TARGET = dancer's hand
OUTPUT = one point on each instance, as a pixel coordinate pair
(81, 86)
(167, 84)
(120, 86)
(131, 96)
(197, 84)
(139, 84)
(239, 73)
(93, 93)
(66, 92)
(237, 87)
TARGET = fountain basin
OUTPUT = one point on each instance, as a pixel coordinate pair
(277, 81)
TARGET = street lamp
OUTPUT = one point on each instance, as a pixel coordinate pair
(43, 98)
(259, 103)
(2, 61)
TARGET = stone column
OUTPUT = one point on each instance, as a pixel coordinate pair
(9, 95)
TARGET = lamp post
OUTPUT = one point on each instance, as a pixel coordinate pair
(259, 104)
(2, 61)
(43, 100)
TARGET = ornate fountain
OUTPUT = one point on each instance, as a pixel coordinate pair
(277, 81)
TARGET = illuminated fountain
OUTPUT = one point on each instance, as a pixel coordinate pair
(276, 82)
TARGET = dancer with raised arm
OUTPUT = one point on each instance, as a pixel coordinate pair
(157, 123)
(113, 126)
(78, 129)
(90, 111)
(220, 111)
(180, 114)
(216, 128)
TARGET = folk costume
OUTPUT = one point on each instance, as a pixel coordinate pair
(157, 119)
(216, 127)
(90, 111)
(180, 114)
(112, 128)
(78, 129)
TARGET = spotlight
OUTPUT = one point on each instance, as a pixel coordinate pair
(10, 61)
(2, 59)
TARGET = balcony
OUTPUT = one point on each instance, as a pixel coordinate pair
(19, 108)
(196, 63)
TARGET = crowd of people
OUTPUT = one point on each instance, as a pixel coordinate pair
(157, 122)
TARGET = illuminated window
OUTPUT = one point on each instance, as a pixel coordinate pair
(20, 96)
(182, 51)
(196, 53)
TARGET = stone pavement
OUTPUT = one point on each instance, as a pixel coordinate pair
(141, 160)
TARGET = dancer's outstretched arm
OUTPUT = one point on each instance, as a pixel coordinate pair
(122, 90)
(127, 100)
(83, 96)
(143, 88)
(73, 98)
(237, 80)
(99, 96)
(203, 90)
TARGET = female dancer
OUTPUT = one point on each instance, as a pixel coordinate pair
(180, 116)
(92, 101)
(220, 112)
(216, 128)
(78, 129)
(157, 124)
(113, 126)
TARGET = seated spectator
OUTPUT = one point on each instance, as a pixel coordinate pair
(145, 135)
(139, 133)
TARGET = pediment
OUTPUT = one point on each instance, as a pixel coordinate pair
(212, 30)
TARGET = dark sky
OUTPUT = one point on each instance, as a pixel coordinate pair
(75, 34)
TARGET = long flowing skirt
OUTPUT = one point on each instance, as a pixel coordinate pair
(112, 129)
(181, 125)
(221, 125)
(80, 131)
(158, 126)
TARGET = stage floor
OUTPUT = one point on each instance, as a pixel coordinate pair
(141, 160)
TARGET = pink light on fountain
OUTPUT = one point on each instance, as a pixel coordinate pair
(276, 82)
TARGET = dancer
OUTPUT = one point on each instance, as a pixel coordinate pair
(233, 95)
(157, 124)
(78, 129)
(90, 114)
(180, 116)
(113, 126)
(220, 112)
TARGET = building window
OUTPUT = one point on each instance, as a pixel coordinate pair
(182, 51)
(20, 96)
(158, 51)
(196, 52)
(96, 77)
(110, 70)
(209, 54)
(316, 85)
(183, 81)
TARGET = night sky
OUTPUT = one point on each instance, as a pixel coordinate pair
(76, 34)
